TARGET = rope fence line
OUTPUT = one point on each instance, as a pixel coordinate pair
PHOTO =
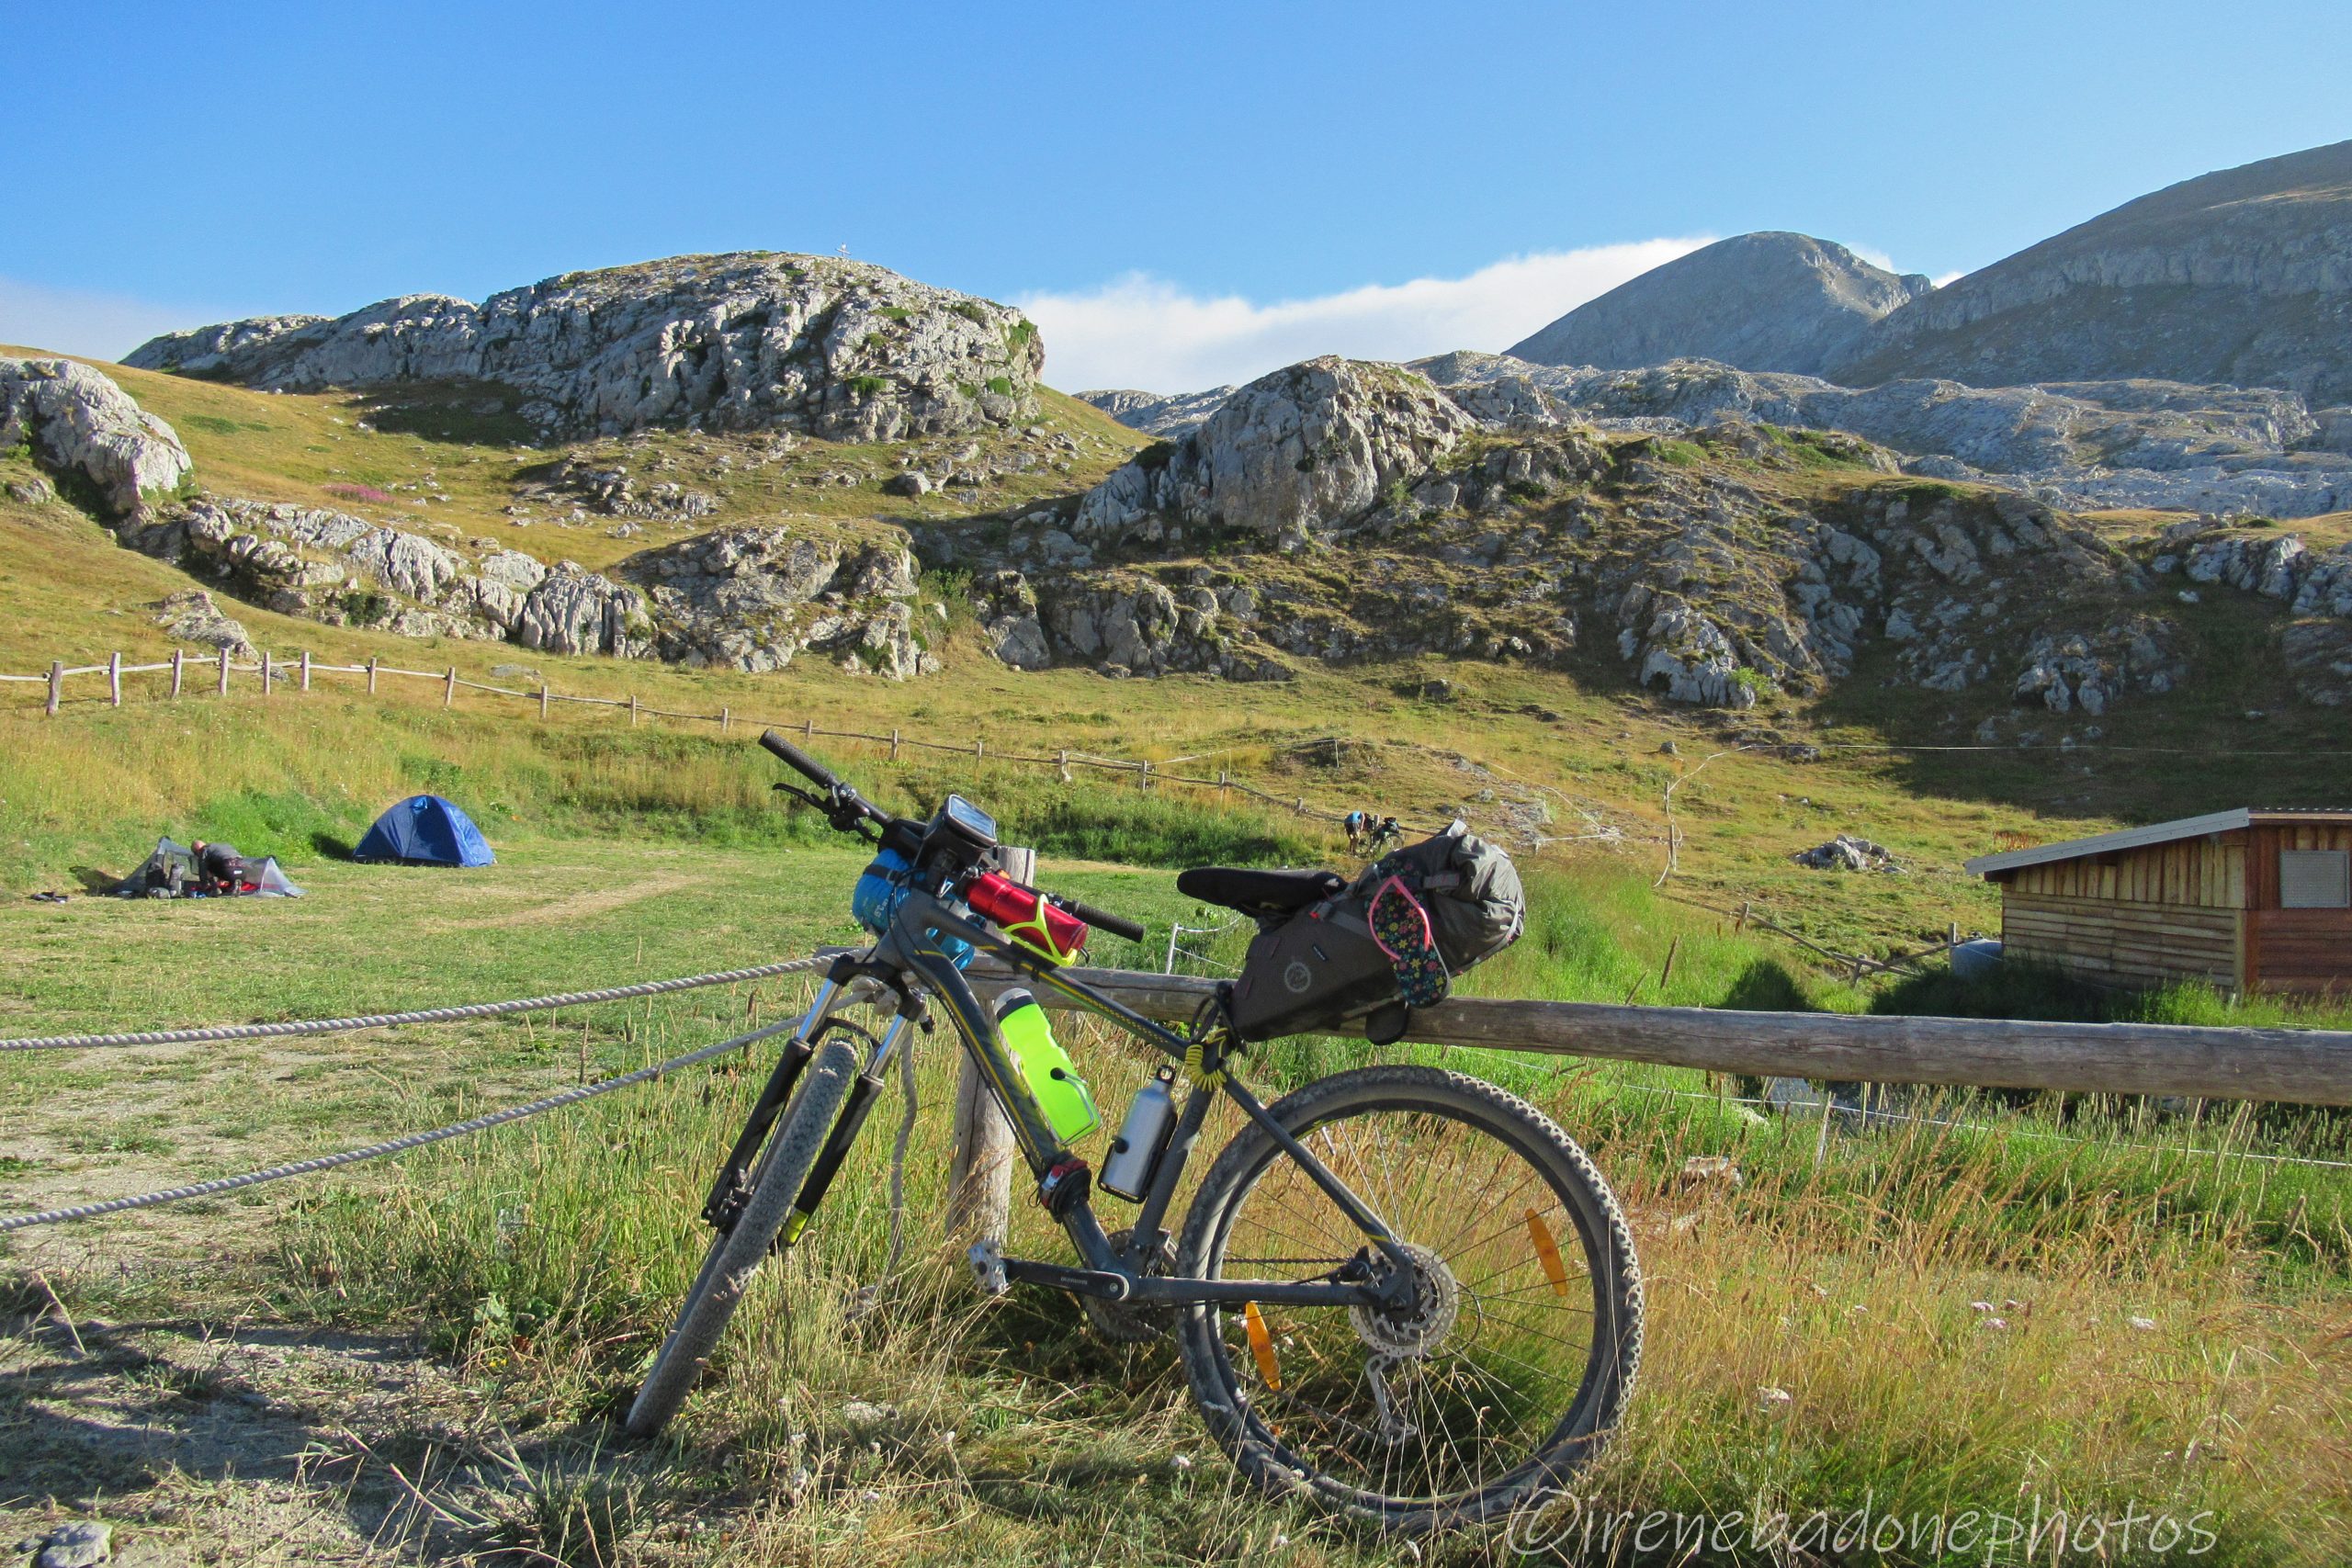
(393, 1145)
(213, 1035)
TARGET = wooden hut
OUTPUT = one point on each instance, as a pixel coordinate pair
(2259, 898)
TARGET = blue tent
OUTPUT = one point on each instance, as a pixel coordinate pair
(425, 829)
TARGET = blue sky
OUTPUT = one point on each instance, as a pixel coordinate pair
(1182, 194)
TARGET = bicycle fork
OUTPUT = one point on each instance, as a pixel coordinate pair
(739, 1173)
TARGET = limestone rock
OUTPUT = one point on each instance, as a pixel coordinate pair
(78, 422)
(1846, 853)
(1306, 450)
(86, 1543)
(1008, 612)
(573, 610)
(191, 617)
(751, 598)
(836, 348)
(1167, 417)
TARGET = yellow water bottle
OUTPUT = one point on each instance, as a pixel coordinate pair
(1045, 1067)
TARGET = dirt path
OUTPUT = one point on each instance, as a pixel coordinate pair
(259, 1445)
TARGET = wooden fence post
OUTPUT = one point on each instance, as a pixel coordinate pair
(371, 674)
(179, 657)
(1143, 776)
(113, 678)
(265, 672)
(306, 668)
(449, 691)
(1062, 760)
(725, 717)
(543, 701)
(1224, 780)
(221, 689)
(807, 729)
(632, 710)
(980, 1170)
(57, 683)
(894, 745)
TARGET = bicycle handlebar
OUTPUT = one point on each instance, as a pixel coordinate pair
(815, 772)
(1100, 919)
(844, 801)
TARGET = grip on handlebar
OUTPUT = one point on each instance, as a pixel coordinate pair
(815, 772)
(1102, 919)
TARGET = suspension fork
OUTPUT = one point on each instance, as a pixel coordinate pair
(733, 1179)
(862, 1094)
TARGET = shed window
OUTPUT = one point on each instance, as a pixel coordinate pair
(2314, 879)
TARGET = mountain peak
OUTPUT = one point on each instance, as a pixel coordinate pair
(1771, 300)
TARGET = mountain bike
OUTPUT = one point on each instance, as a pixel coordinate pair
(1398, 1290)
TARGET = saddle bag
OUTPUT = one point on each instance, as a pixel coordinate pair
(1310, 971)
(1391, 941)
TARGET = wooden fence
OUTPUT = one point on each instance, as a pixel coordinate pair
(2301, 1067)
(215, 672)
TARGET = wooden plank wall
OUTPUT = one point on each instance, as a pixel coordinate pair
(2295, 950)
(2113, 942)
(2207, 872)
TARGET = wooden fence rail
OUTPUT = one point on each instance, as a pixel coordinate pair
(274, 672)
(2301, 1067)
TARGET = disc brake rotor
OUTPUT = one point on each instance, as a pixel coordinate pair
(1417, 1331)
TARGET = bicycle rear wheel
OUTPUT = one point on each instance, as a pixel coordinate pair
(735, 1255)
(1519, 1354)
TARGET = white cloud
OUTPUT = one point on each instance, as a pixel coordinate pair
(1140, 330)
(75, 321)
(1948, 277)
(1877, 258)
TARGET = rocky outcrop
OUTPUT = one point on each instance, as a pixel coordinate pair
(1768, 302)
(1307, 449)
(835, 348)
(78, 422)
(576, 611)
(1167, 417)
(2082, 446)
(191, 617)
(346, 570)
(753, 598)
(2243, 277)
(739, 598)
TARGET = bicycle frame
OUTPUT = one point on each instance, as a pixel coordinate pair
(915, 949)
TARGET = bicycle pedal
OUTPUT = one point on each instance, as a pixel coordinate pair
(988, 1269)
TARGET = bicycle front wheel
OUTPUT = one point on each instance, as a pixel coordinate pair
(1518, 1355)
(736, 1256)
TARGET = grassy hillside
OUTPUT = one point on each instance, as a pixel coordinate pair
(2171, 1313)
(474, 1314)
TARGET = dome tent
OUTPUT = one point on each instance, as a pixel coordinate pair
(425, 829)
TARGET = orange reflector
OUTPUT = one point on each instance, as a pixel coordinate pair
(1262, 1345)
(1548, 1252)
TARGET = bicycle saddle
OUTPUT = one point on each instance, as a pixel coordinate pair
(1260, 895)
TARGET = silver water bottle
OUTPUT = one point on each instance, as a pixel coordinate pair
(1143, 1138)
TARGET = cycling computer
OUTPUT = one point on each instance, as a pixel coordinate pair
(968, 822)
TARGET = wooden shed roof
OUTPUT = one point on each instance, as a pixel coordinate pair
(2155, 833)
